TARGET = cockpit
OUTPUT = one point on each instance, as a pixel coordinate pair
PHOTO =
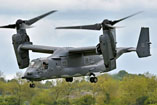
(36, 69)
(43, 65)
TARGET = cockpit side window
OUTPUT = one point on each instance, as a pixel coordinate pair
(45, 65)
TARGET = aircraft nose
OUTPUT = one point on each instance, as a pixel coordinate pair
(29, 73)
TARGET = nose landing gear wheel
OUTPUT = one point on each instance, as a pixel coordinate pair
(93, 79)
(32, 85)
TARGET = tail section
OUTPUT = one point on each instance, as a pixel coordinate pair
(143, 46)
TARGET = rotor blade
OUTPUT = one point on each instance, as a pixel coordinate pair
(25, 26)
(112, 27)
(87, 27)
(116, 21)
(31, 21)
(12, 26)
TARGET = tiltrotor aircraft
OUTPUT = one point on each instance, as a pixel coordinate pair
(69, 62)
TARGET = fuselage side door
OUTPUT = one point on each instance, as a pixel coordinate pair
(64, 62)
(57, 63)
(89, 60)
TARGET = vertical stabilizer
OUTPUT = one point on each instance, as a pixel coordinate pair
(143, 46)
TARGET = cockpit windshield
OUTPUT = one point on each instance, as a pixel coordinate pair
(35, 64)
(43, 65)
(32, 63)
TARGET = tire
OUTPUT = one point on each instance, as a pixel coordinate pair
(32, 85)
(93, 79)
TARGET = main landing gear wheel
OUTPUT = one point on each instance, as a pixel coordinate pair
(32, 85)
(69, 79)
(93, 79)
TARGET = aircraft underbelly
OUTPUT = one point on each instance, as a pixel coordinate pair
(78, 71)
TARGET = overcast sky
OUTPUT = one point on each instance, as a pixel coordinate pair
(79, 12)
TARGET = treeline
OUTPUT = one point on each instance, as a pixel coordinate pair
(118, 89)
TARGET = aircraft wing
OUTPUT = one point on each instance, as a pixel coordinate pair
(38, 48)
(80, 50)
(92, 50)
(85, 50)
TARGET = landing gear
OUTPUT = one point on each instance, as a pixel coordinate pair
(32, 85)
(69, 79)
(93, 79)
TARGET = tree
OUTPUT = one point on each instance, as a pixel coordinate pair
(68, 87)
(2, 88)
(48, 84)
(43, 98)
(2, 101)
(133, 88)
(84, 100)
(120, 75)
(57, 90)
(12, 100)
(107, 88)
(2, 77)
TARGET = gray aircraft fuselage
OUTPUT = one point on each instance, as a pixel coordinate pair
(63, 65)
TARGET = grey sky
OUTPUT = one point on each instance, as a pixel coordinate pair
(79, 12)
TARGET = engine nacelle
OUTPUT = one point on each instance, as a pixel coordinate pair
(106, 49)
(22, 56)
